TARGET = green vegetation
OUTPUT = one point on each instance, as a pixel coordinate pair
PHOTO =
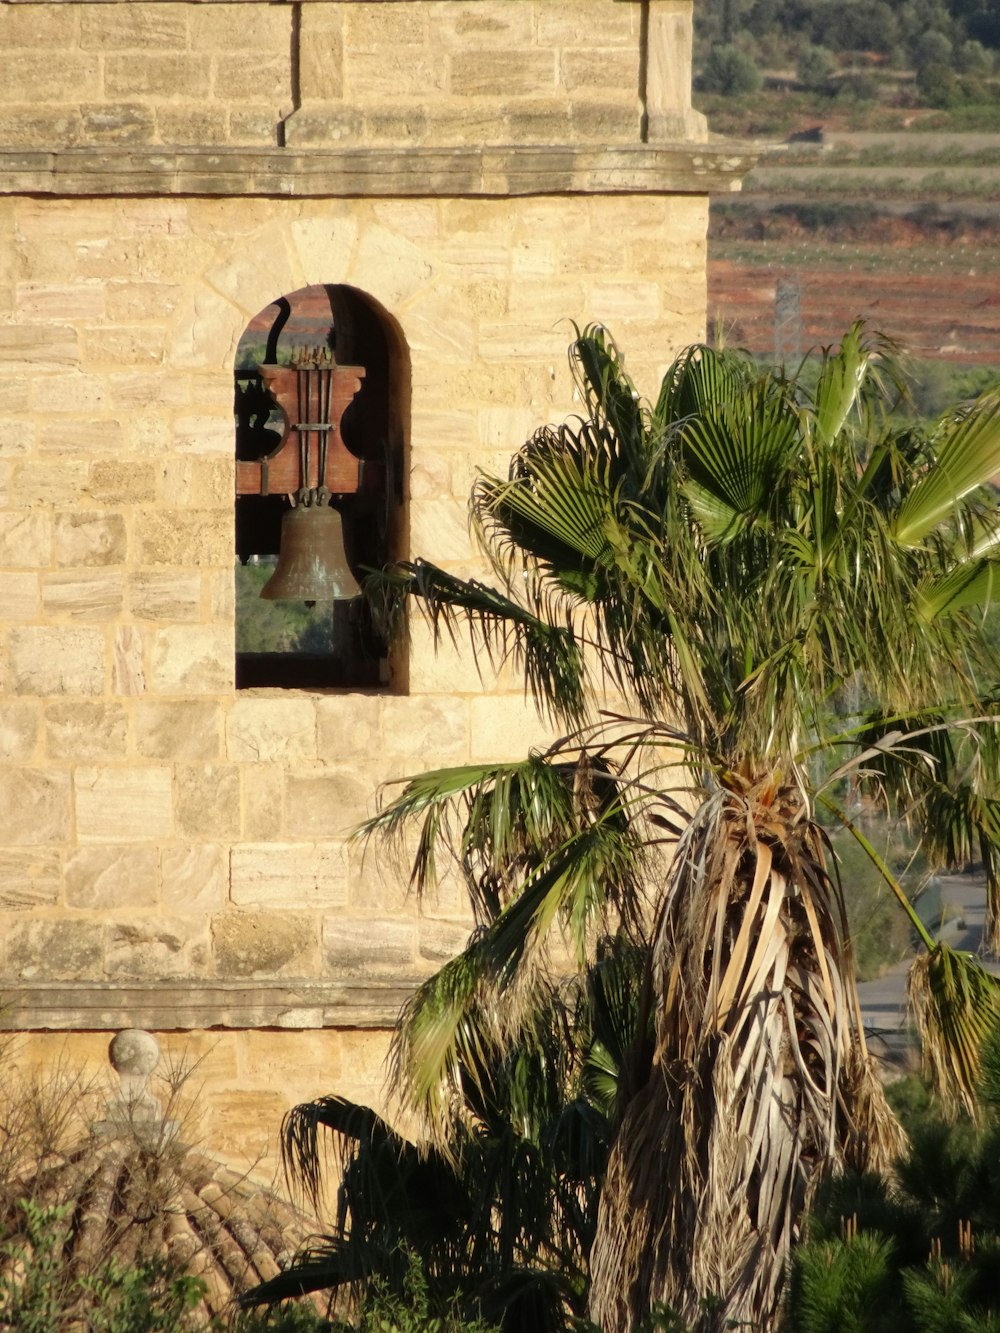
(750, 562)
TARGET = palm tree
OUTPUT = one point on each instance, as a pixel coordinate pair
(719, 565)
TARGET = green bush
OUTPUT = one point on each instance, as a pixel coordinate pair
(730, 71)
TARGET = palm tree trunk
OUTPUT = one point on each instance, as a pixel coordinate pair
(759, 1082)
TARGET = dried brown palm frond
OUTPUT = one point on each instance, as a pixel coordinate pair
(955, 1003)
(759, 1081)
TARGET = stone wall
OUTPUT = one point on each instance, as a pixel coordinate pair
(174, 852)
(441, 71)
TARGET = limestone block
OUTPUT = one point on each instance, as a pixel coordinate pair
(36, 806)
(601, 67)
(29, 879)
(187, 124)
(247, 944)
(85, 538)
(185, 537)
(379, 881)
(131, 300)
(124, 123)
(173, 595)
(85, 729)
(271, 728)
(192, 659)
(139, 390)
(507, 727)
(128, 661)
(117, 347)
(138, 28)
(87, 594)
(48, 660)
(509, 72)
(99, 435)
(103, 878)
(368, 948)
(364, 1059)
(349, 726)
(112, 481)
(390, 267)
(204, 435)
(154, 946)
(263, 800)
(440, 529)
(568, 23)
(241, 27)
(207, 800)
(322, 241)
(61, 950)
(195, 879)
(440, 941)
(370, 27)
(18, 730)
(311, 1058)
(44, 28)
(177, 729)
(71, 392)
(612, 303)
(25, 539)
(155, 75)
(199, 483)
(291, 875)
(40, 483)
(326, 804)
(123, 804)
(445, 667)
(31, 76)
(418, 731)
(394, 73)
(21, 596)
(430, 476)
(253, 75)
(56, 301)
(441, 329)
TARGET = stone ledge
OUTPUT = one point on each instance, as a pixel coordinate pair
(71, 1006)
(682, 168)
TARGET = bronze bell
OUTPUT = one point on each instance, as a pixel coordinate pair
(312, 563)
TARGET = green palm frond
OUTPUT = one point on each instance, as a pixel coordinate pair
(968, 456)
(956, 1005)
(547, 652)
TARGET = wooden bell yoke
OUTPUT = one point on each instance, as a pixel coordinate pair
(316, 463)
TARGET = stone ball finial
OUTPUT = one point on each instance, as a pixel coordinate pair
(134, 1052)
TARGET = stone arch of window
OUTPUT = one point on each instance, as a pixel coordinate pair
(327, 644)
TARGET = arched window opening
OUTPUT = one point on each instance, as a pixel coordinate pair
(318, 489)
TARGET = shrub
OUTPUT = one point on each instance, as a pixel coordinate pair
(730, 71)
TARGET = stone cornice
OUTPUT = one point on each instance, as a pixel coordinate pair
(185, 1005)
(660, 168)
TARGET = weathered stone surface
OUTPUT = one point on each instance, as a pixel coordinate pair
(363, 948)
(263, 800)
(157, 946)
(207, 798)
(84, 729)
(184, 538)
(172, 595)
(288, 875)
(128, 661)
(113, 482)
(192, 660)
(46, 660)
(178, 729)
(195, 879)
(29, 879)
(416, 731)
(86, 538)
(263, 729)
(349, 726)
(123, 804)
(325, 804)
(56, 950)
(99, 878)
(25, 539)
(441, 940)
(85, 594)
(247, 944)
(18, 730)
(22, 596)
